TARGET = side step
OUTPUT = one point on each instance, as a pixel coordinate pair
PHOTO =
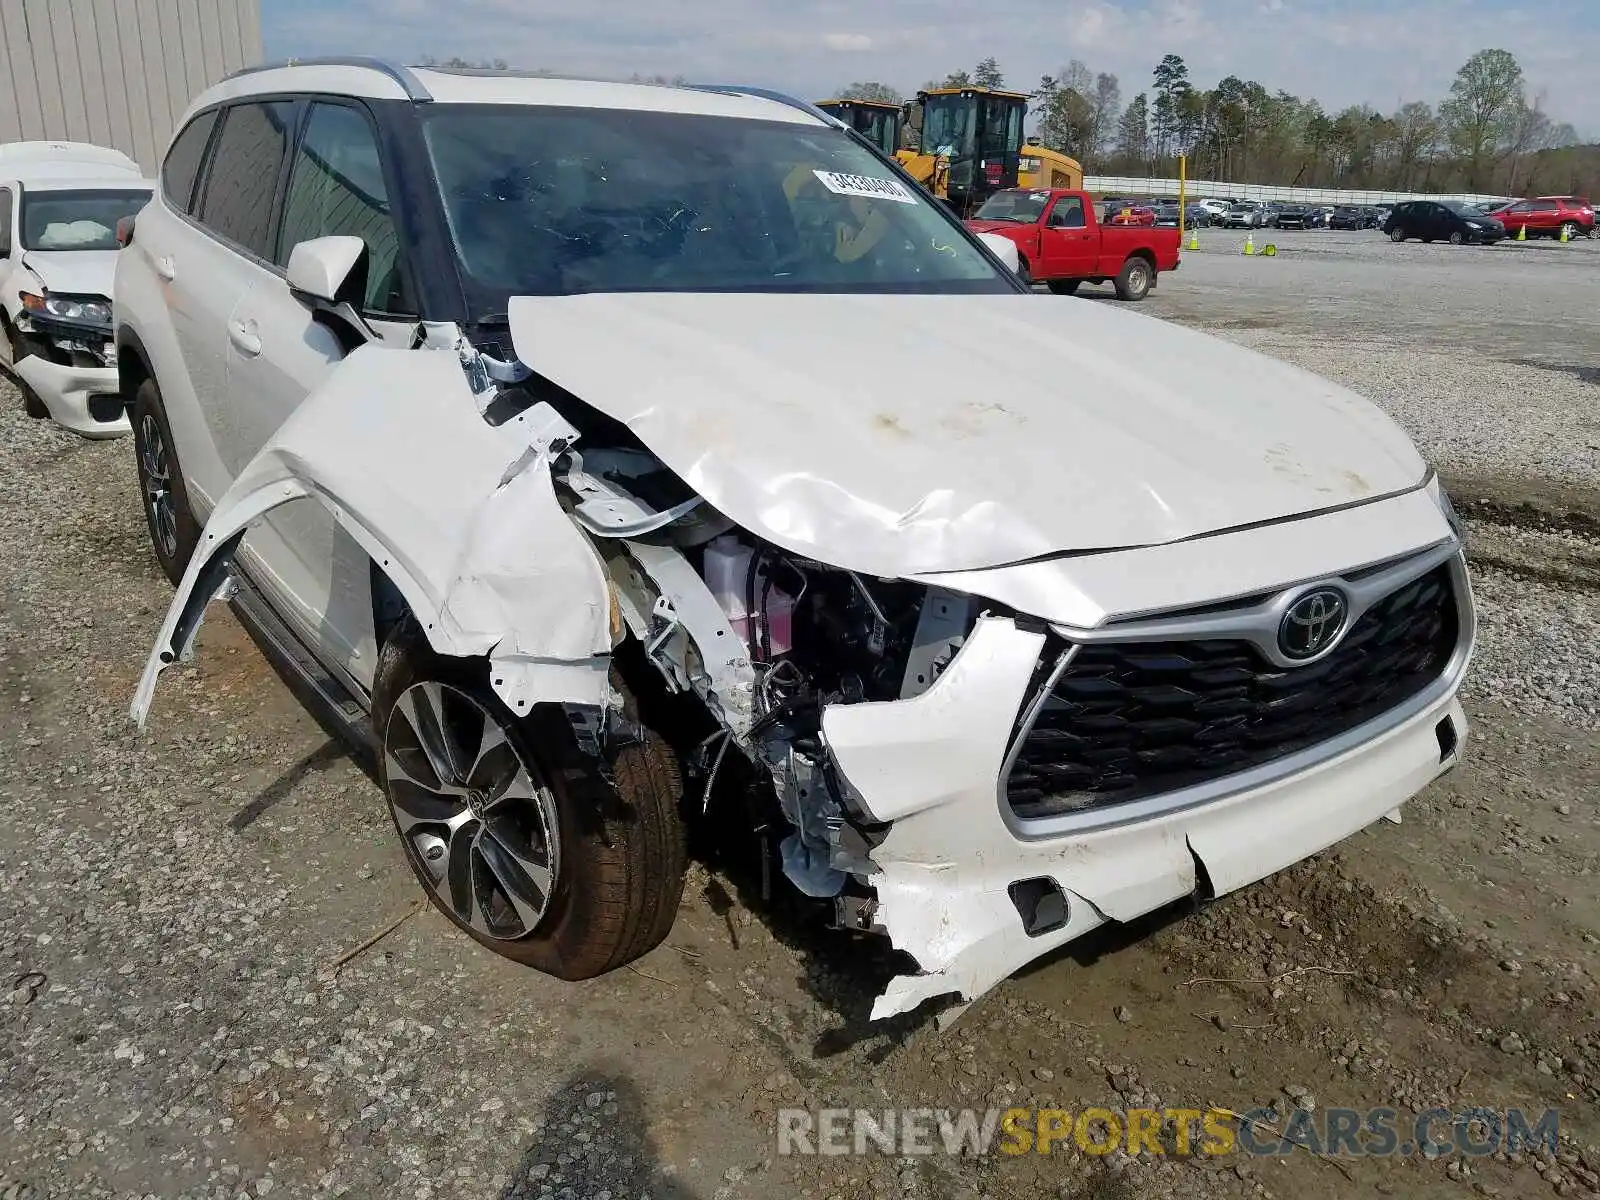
(332, 704)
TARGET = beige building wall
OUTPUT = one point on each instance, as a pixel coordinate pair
(116, 72)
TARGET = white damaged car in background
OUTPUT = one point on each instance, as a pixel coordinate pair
(614, 458)
(60, 204)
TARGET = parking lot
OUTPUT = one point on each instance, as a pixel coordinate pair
(183, 914)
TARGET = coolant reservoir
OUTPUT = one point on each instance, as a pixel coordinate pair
(727, 573)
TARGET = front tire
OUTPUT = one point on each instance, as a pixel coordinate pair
(1065, 287)
(1456, 239)
(513, 830)
(1397, 235)
(174, 532)
(1134, 280)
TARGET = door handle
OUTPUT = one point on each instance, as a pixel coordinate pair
(244, 337)
(166, 268)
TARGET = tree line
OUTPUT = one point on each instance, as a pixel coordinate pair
(1489, 134)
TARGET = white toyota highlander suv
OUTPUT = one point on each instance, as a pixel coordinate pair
(610, 458)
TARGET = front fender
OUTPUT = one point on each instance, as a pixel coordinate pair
(462, 517)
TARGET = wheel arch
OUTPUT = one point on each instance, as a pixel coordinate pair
(133, 364)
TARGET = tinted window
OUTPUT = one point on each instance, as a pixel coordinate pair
(182, 168)
(1543, 206)
(243, 175)
(5, 221)
(556, 200)
(336, 187)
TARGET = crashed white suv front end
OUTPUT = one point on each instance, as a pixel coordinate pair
(1005, 690)
(713, 481)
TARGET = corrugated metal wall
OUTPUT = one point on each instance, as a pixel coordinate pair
(116, 72)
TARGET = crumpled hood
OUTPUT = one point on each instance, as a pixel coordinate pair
(76, 272)
(896, 435)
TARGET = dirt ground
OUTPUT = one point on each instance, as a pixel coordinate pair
(172, 906)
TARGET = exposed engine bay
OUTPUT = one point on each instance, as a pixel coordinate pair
(805, 636)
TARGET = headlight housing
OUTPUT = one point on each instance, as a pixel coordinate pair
(89, 310)
(92, 310)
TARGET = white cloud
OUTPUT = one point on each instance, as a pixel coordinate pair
(849, 42)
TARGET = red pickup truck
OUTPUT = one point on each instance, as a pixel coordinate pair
(1063, 242)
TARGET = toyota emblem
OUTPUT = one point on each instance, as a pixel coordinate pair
(1312, 624)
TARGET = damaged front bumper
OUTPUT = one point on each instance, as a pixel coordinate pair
(84, 399)
(973, 894)
(71, 367)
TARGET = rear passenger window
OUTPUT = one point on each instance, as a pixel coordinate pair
(336, 187)
(244, 174)
(182, 168)
(5, 221)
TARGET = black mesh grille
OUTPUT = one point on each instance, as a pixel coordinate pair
(1140, 719)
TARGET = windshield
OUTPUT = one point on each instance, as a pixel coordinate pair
(555, 201)
(1022, 207)
(83, 220)
(880, 126)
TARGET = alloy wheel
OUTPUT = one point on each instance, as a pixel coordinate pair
(157, 481)
(478, 822)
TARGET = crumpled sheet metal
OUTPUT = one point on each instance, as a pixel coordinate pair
(459, 514)
(902, 435)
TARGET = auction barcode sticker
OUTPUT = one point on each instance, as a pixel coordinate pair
(865, 185)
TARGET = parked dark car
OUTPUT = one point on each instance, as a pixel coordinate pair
(1194, 217)
(1318, 218)
(1293, 217)
(1441, 221)
(1347, 216)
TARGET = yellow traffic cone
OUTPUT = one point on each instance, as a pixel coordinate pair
(1522, 233)
(1194, 241)
(1563, 237)
(1249, 242)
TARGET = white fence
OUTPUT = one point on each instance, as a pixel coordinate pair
(1201, 189)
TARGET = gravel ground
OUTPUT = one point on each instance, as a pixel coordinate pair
(174, 906)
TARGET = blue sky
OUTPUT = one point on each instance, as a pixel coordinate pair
(1339, 51)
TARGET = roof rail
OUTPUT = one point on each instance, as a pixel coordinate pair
(404, 76)
(738, 89)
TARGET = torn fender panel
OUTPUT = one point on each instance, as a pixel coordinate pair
(462, 516)
(874, 432)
